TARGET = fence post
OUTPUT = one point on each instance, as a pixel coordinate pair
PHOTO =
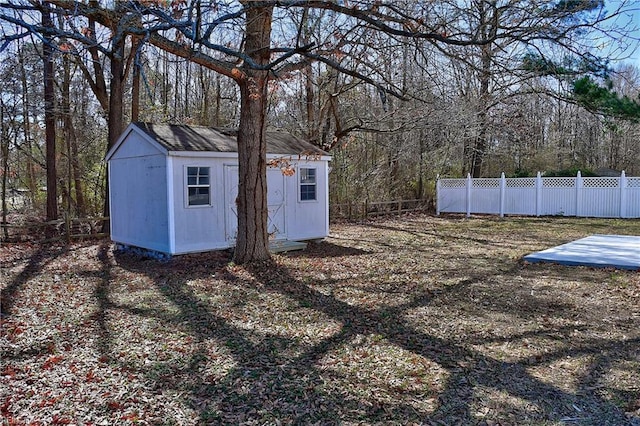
(539, 186)
(578, 194)
(438, 195)
(503, 189)
(469, 186)
(623, 195)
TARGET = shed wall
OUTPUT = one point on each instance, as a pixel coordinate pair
(197, 228)
(308, 220)
(137, 145)
(138, 201)
(213, 227)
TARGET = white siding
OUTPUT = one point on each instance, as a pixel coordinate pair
(198, 228)
(207, 228)
(136, 145)
(308, 220)
(138, 202)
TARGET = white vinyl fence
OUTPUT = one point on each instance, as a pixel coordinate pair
(541, 196)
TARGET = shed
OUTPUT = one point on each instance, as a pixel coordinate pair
(173, 188)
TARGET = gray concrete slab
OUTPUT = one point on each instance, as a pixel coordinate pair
(282, 246)
(601, 251)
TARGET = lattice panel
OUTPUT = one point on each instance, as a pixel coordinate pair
(521, 183)
(633, 182)
(559, 182)
(486, 183)
(452, 183)
(601, 182)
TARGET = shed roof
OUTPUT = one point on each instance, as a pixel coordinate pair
(174, 137)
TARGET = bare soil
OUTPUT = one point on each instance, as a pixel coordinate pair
(409, 320)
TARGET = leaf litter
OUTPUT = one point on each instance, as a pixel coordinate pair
(407, 320)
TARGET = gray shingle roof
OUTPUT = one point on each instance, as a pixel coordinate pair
(175, 137)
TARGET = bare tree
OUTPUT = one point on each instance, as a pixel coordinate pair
(50, 118)
(240, 41)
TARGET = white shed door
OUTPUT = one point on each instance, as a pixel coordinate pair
(275, 203)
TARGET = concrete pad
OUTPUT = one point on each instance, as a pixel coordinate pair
(600, 251)
(283, 246)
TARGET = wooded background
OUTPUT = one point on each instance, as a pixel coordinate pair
(434, 108)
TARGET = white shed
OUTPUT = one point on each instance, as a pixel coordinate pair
(173, 188)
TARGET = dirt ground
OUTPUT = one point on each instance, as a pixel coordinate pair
(407, 320)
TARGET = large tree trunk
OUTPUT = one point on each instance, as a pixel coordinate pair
(252, 241)
(49, 120)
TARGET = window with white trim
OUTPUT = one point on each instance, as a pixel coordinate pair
(308, 184)
(198, 186)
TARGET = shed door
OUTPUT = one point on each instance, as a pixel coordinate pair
(275, 203)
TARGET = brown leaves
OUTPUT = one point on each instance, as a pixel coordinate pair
(284, 164)
(52, 361)
(408, 320)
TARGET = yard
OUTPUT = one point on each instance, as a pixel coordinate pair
(410, 320)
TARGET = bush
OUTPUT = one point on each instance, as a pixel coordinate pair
(572, 172)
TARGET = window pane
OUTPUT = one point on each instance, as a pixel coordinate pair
(198, 186)
(307, 175)
(307, 192)
(198, 196)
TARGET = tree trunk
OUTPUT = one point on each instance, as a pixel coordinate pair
(81, 204)
(216, 117)
(116, 94)
(50, 120)
(26, 128)
(4, 149)
(312, 122)
(75, 177)
(488, 14)
(135, 93)
(252, 242)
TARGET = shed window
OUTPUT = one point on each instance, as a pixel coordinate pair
(198, 186)
(308, 184)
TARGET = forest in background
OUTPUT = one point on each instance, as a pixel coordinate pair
(457, 109)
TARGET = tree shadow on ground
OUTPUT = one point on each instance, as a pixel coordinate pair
(270, 382)
(326, 249)
(37, 262)
(264, 385)
(483, 371)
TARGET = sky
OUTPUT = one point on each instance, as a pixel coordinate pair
(635, 56)
(609, 48)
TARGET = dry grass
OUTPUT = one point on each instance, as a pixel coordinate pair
(413, 320)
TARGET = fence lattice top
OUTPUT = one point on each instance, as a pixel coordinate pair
(547, 182)
(521, 183)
